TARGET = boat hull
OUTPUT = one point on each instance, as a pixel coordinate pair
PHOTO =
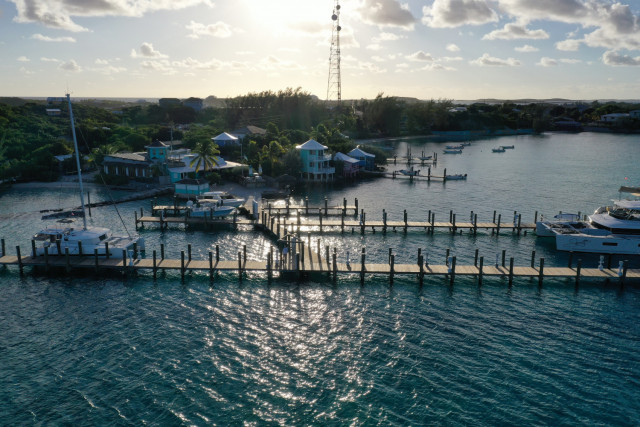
(600, 244)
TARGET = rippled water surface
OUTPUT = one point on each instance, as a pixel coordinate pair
(128, 350)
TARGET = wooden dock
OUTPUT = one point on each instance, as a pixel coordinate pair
(300, 266)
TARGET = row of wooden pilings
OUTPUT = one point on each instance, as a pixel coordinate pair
(291, 263)
(275, 220)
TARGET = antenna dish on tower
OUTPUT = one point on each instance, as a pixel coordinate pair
(334, 85)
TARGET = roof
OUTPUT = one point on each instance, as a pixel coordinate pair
(157, 143)
(225, 137)
(344, 158)
(184, 169)
(311, 144)
(191, 181)
(356, 152)
(249, 130)
(136, 157)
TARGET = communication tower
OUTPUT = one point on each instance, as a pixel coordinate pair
(334, 86)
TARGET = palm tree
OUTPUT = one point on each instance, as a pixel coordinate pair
(206, 151)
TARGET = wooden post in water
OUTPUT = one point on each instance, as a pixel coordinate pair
(480, 271)
(421, 264)
(89, 202)
(433, 222)
(533, 259)
(499, 221)
(4, 250)
(519, 221)
(475, 258)
(453, 222)
(356, 207)
(391, 268)
(335, 265)
(453, 271)
(625, 265)
(19, 259)
(33, 248)
(239, 266)
(384, 221)
(189, 252)
(95, 258)
(444, 175)
(155, 265)
(578, 268)
(135, 215)
(510, 271)
(535, 217)
(405, 220)
(182, 265)
(320, 218)
(362, 267)
(326, 207)
(80, 247)
(475, 224)
(541, 275)
(429, 174)
(504, 256)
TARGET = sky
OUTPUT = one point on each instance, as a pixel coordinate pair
(430, 49)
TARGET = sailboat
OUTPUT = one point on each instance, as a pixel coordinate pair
(58, 240)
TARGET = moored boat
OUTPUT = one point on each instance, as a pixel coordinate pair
(62, 239)
(452, 151)
(456, 177)
(498, 150)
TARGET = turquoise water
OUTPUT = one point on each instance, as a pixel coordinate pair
(128, 350)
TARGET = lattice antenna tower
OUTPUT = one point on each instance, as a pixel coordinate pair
(334, 86)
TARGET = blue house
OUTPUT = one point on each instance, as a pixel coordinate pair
(158, 151)
(315, 163)
(366, 159)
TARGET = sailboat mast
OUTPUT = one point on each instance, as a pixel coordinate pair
(75, 147)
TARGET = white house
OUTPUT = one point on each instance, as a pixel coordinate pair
(613, 117)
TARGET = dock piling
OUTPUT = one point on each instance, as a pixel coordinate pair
(19, 260)
(541, 275)
(510, 271)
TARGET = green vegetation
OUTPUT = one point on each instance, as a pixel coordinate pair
(29, 137)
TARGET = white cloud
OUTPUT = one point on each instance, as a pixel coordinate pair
(218, 30)
(570, 45)
(547, 62)
(271, 63)
(147, 51)
(451, 47)
(24, 71)
(70, 65)
(616, 25)
(570, 61)
(488, 61)
(420, 56)
(455, 13)
(377, 58)
(101, 62)
(53, 39)
(526, 49)
(615, 59)
(437, 67)
(387, 13)
(384, 37)
(515, 31)
(374, 46)
(23, 59)
(60, 13)
(45, 59)
(452, 58)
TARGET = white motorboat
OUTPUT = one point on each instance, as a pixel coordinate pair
(60, 239)
(456, 177)
(545, 228)
(409, 172)
(452, 151)
(208, 209)
(455, 147)
(507, 147)
(610, 230)
(498, 150)
(221, 197)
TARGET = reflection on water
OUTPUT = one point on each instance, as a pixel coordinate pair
(128, 350)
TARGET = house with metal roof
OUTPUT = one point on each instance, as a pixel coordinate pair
(366, 159)
(347, 166)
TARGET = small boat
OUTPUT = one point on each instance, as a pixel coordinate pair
(455, 147)
(425, 158)
(450, 151)
(221, 197)
(409, 172)
(507, 147)
(466, 144)
(498, 150)
(456, 177)
(208, 210)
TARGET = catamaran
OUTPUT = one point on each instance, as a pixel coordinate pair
(63, 238)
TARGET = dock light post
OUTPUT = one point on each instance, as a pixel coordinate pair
(601, 264)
